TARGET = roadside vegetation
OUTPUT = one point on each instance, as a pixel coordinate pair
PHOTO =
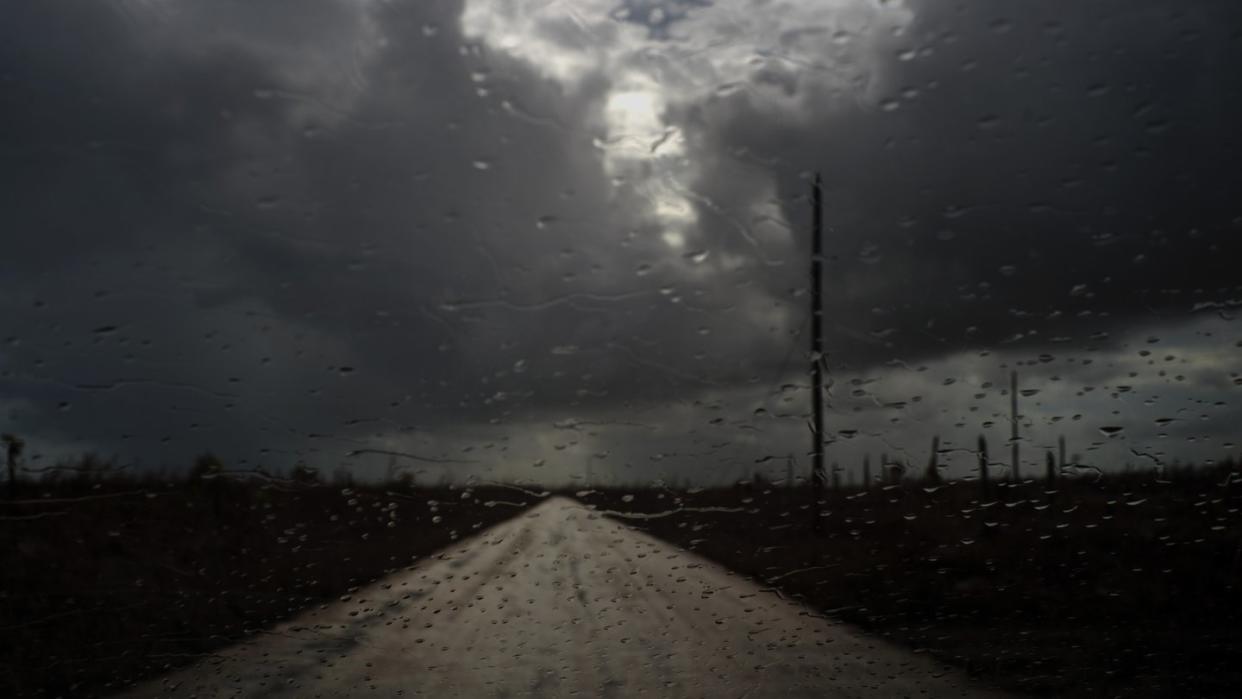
(108, 578)
(1101, 585)
(1120, 584)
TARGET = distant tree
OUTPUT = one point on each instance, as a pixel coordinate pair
(206, 473)
(343, 477)
(404, 480)
(13, 447)
(206, 467)
(53, 475)
(446, 480)
(90, 469)
(304, 474)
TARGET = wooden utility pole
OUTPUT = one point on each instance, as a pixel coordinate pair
(817, 347)
(1013, 409)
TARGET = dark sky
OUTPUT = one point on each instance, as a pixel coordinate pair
(523, 239)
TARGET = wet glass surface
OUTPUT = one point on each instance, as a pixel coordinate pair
(617, 347)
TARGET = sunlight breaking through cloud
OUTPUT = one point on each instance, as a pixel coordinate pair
(657, 62)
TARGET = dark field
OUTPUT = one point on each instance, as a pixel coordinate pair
(1121, 586)
(1126, 586)
(102, 584)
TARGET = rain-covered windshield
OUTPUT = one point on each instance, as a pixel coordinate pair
(687, 348)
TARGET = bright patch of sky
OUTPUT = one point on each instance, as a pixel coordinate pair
(659, 58)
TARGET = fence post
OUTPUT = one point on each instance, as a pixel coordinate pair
(1052, 476)
(933, 462)
(1013, 410)
(984, 483)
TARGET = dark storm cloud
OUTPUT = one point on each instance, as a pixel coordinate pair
(244, 235)
(1041, 171)
(276, 227)
(138, 144)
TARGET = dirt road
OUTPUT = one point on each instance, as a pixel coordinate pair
(561, 601)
